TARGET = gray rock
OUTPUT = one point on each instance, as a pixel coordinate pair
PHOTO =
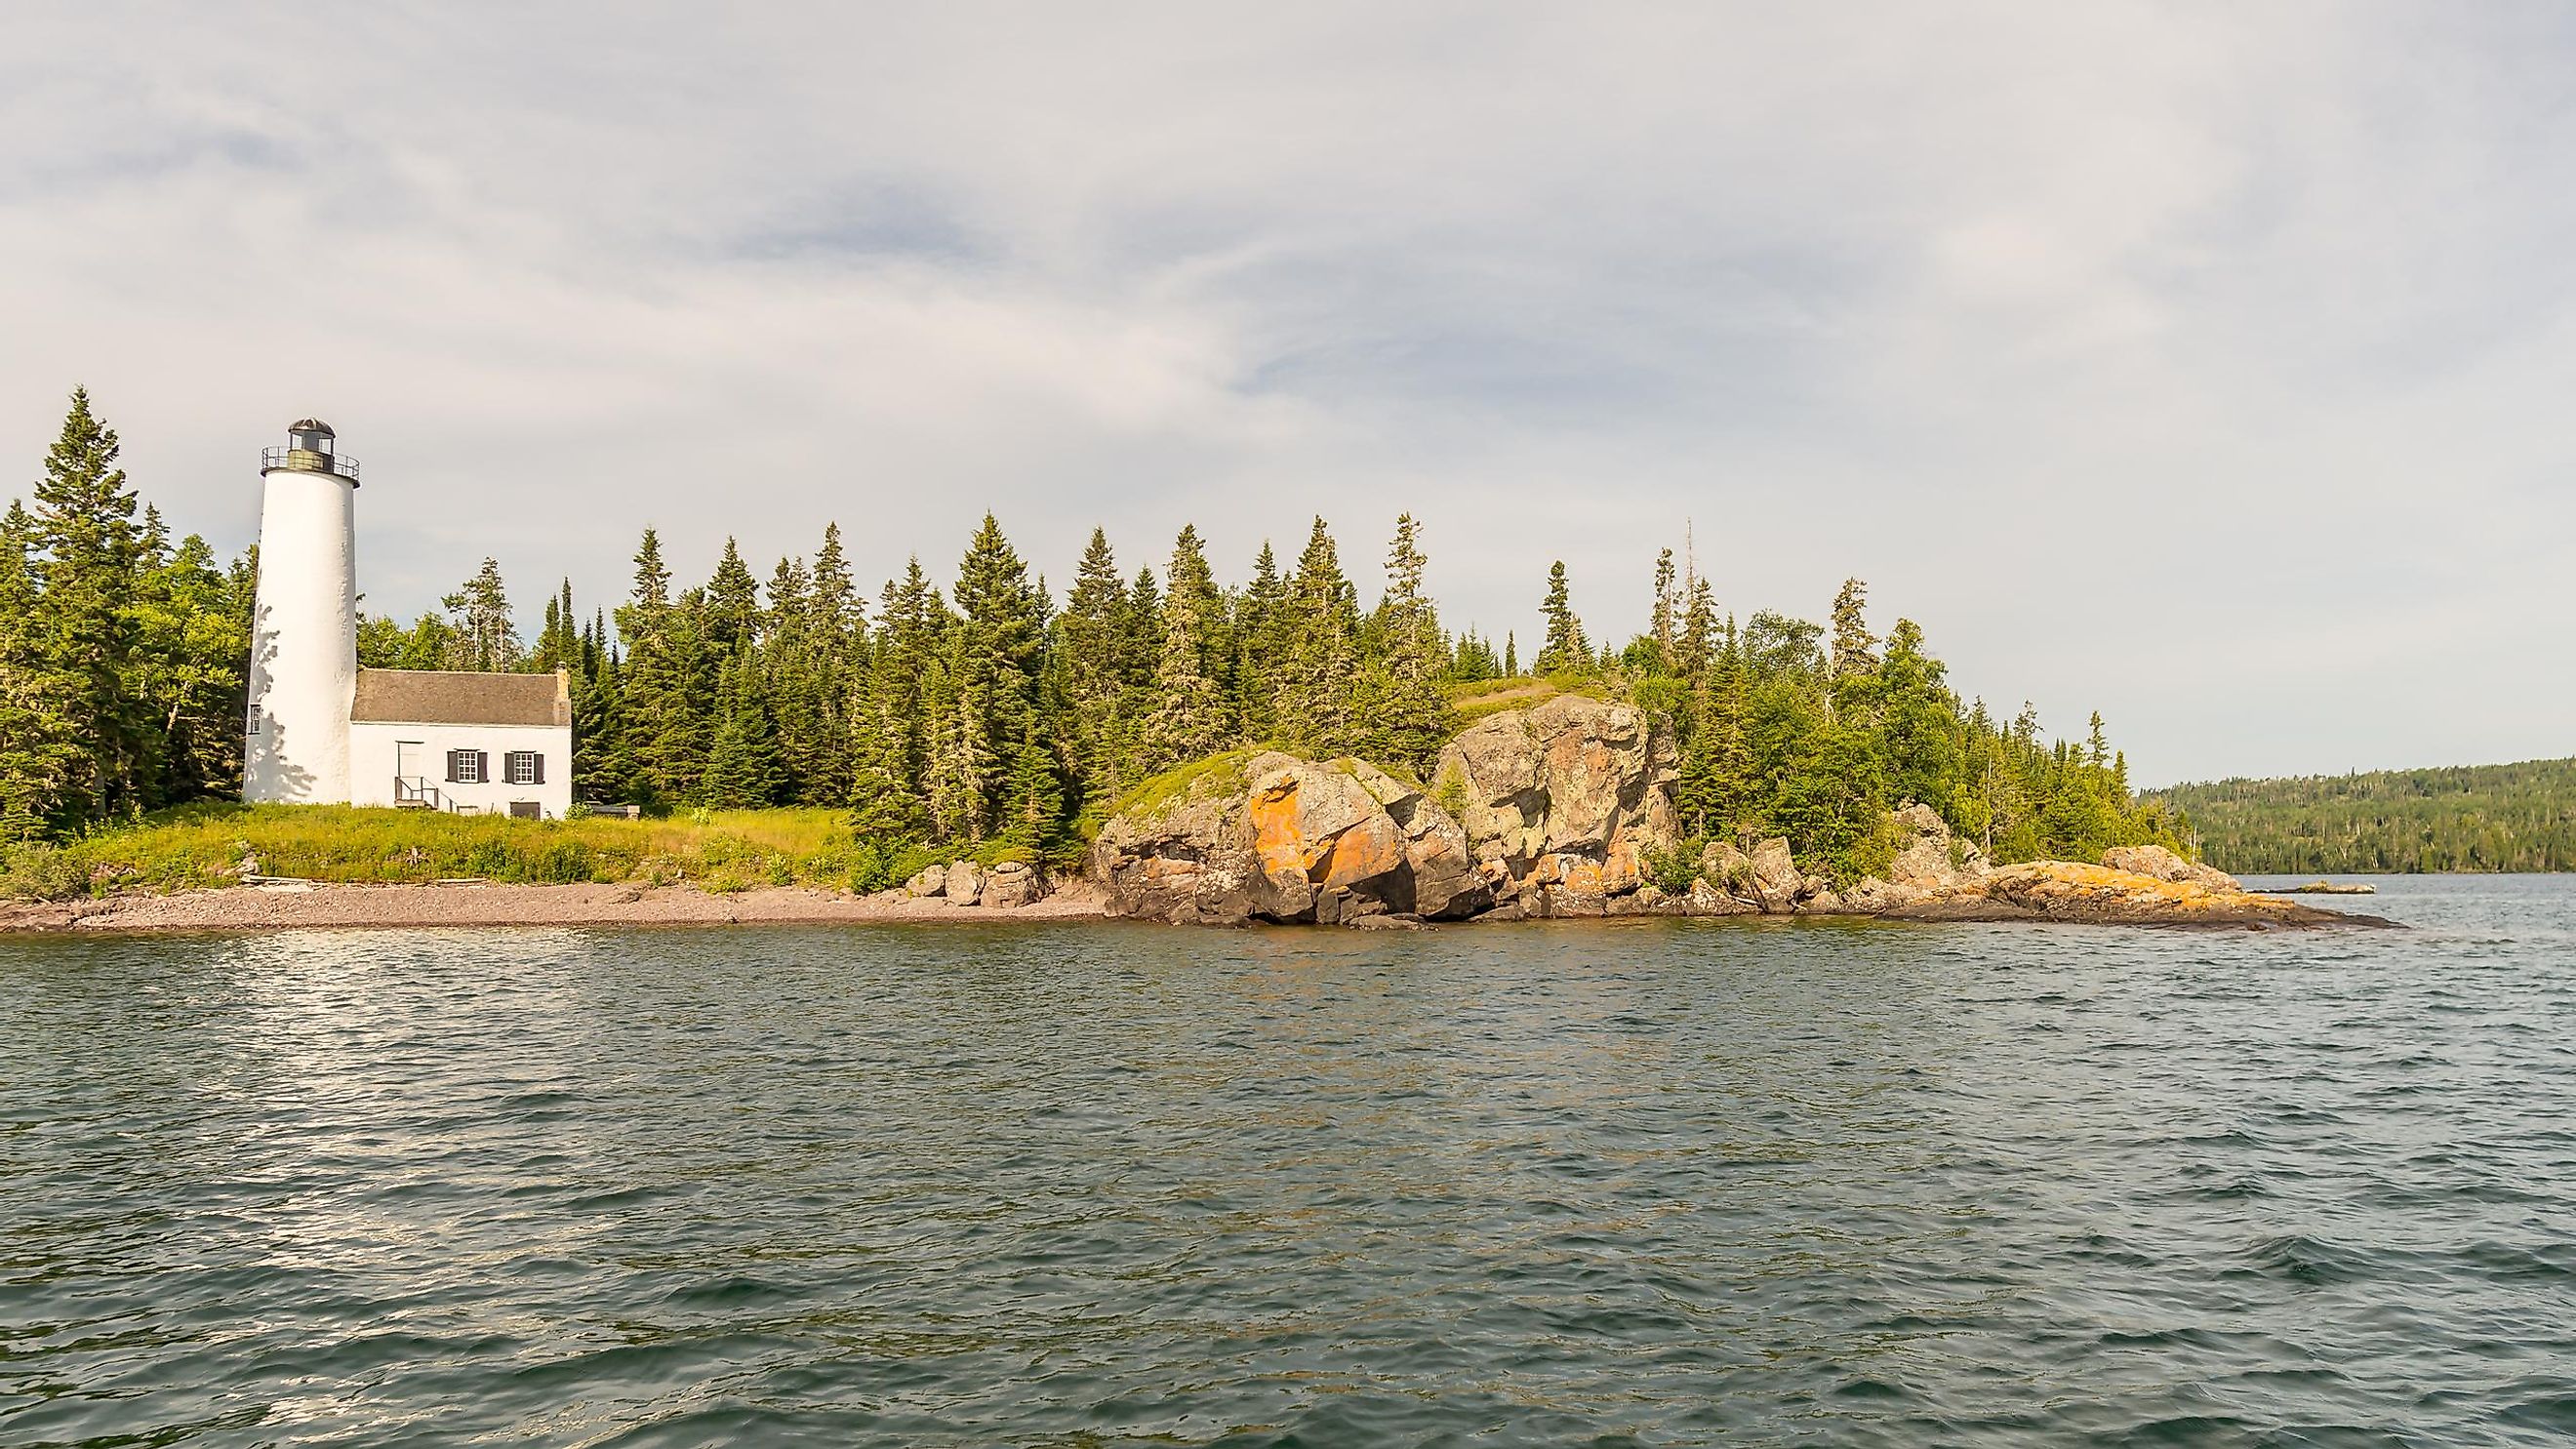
(1012, 884)
(1776, 878)
(965, 882)
(2161, 864)
(1573, 777)
(928, 881)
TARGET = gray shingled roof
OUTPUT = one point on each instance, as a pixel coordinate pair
(439, 696)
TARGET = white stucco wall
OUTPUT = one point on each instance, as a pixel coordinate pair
(374, 748)
(304, 640)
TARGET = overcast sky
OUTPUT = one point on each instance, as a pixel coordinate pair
(2210, 366)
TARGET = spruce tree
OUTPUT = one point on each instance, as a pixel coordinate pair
(742, 768)
(1404, 714)
(1663, 623)
(1188, 715)
(37, 740)
(732, 610)
(1565, 650)
(1261, 646)
(1855, 649)
(1315, 708)
(90, 564)
(996, 655)
(1091, 652)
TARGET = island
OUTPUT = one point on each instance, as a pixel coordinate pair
(1160, 747)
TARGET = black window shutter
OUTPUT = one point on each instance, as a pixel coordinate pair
(540, 763)
(483, 766)
(451, 765)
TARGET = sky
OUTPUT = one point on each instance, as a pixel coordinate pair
(2205, 365)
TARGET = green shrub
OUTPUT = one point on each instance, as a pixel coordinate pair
(42, 873)
(560, 862)
(1675, 870)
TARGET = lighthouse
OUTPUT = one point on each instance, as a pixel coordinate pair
(304, 625)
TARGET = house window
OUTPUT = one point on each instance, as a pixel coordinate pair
(465, 767)
(526, 767)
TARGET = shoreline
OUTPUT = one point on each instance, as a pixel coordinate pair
(326, 906)
(331, 906)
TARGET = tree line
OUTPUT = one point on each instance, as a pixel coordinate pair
(985, 714)
(2466, 818)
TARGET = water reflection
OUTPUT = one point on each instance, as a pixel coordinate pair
(1655, 1182)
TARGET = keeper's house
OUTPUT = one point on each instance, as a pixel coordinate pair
(480, 744)
(323, 731)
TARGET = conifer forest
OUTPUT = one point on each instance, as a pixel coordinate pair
(977, 708)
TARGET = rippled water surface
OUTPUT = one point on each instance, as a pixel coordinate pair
(1651, 1183)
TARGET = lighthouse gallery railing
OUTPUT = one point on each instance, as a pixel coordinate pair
(308, 460)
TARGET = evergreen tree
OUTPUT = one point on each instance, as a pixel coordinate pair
(732, 611)
(742, 769)
(559, 643)
(888, 737)
(1664, 621)
(1316, 705)
(663, 684)
(482, 637)
(37, 739)
(1261, 644)
(1090, 653)
(89, 564)
(1855, 649)
(192, 650)
(1403, 713)
(995, 657)
(1188, 718)
(1565, 651)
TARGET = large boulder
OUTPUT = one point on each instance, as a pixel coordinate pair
(1277, 838)
(1011, 884)
(965, 883)
(1928, 859)
(1777, 882)
(928, 881)
(1543, 793)
(2158, 863)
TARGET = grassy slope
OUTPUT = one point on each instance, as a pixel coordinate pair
(2470, 818)
(204, 845)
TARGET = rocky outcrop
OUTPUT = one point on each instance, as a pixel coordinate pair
(1004, 887)
(1560, 810)
(1285, 839)
(2061, 890)
(1563, 804)
(2158, 863)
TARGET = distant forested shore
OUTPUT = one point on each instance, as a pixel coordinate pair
(992, 715)
(2519, 817)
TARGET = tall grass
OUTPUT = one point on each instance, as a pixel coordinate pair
(198, 846)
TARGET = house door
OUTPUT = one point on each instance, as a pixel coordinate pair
(408, 755)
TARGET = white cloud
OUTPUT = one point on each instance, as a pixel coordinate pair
(2117, 345)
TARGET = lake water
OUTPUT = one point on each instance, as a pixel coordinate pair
(1622, 1183)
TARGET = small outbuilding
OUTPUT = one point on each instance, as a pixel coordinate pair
(473, 744)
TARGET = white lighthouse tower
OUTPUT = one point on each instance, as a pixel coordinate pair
(304, 627)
